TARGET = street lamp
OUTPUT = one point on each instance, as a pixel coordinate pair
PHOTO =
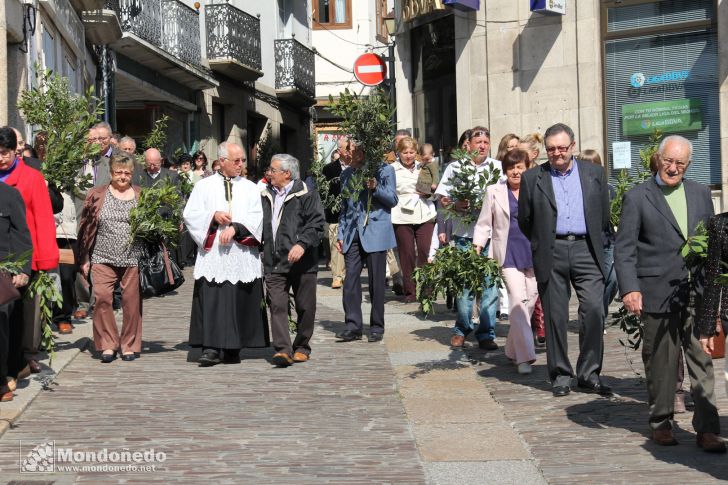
(390, 22)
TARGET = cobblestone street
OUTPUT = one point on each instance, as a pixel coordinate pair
(410, 410)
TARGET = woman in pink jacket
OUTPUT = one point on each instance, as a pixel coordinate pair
(498, 221)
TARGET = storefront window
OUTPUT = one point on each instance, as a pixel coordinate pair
(654, 14)
(667, 81)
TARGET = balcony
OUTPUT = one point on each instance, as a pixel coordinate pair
(87, 5)
(164, 35)
(233, 42)
(102, 24)
(295, 79)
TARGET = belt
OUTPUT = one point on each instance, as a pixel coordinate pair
(571, 237)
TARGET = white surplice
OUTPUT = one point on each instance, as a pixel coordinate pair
(234, 262)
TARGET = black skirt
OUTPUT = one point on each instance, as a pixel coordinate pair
(228, 316)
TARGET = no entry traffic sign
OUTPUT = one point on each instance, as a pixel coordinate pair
(370, 69)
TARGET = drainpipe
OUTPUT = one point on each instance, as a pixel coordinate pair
(3, 69)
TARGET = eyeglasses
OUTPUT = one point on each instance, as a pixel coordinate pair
(560, 149)
(277, 170)
(680, 164)
(236, 161)
(480, 133)
(122, 172)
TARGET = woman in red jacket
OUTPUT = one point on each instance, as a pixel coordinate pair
(25, 338)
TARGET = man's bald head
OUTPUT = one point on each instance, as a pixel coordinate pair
(152, 160)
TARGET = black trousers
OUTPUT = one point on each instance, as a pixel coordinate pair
(377, 268)
(16, 355)
(5, 325)
(664, 335)
(574, 265)
(304, 296)
(67, 272)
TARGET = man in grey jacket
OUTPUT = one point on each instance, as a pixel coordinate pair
(657, 285)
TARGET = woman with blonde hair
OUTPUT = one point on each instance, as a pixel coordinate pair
(533, 145)
(108, 254)
(413, 217)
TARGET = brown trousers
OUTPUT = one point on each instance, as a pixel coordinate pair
(106, 333)
(304, 296)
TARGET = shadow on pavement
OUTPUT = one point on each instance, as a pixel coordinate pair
(632, 416)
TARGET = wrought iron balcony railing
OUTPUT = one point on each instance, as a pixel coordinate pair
(142, 18)
(181, 31)
(233, 34)
(294, 67)
(166, 24)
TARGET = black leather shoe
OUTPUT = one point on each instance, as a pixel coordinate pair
(209, 358)
(107, 358)
(376, 337)
(348, 336)
(128, 357)
(231, 357)
(595, 388)
(488, 345)
(560, 391)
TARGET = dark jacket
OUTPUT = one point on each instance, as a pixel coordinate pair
(14, 234)
(332, 172)
(714, 298)
(537, 213)
(301, 222)
(89, 222)
(55, 194)
(647, 253)
(144, 180)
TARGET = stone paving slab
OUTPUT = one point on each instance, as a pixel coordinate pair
(335, 419)
(583, 438)
(510, 472)
(67, 348)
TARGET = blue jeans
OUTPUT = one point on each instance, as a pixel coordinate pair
(610, 283)
(488, 303)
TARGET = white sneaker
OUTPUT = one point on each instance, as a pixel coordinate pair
(524, 368)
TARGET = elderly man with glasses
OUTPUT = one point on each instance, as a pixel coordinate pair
(660, 287)
(293, 225)
(564, 210)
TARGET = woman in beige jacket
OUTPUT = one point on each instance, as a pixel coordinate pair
(509, 246)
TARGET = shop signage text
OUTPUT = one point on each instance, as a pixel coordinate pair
(638, 79)
(414, 8)
(549, 6)
(672, 116)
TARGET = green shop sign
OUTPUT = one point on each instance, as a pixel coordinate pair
(669, 116)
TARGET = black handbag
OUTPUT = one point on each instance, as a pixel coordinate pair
(158, 273)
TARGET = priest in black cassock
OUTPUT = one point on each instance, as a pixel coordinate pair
(224, 216)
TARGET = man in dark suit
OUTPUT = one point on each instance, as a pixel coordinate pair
(563, 209)
(657, 285)
(153, 172)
